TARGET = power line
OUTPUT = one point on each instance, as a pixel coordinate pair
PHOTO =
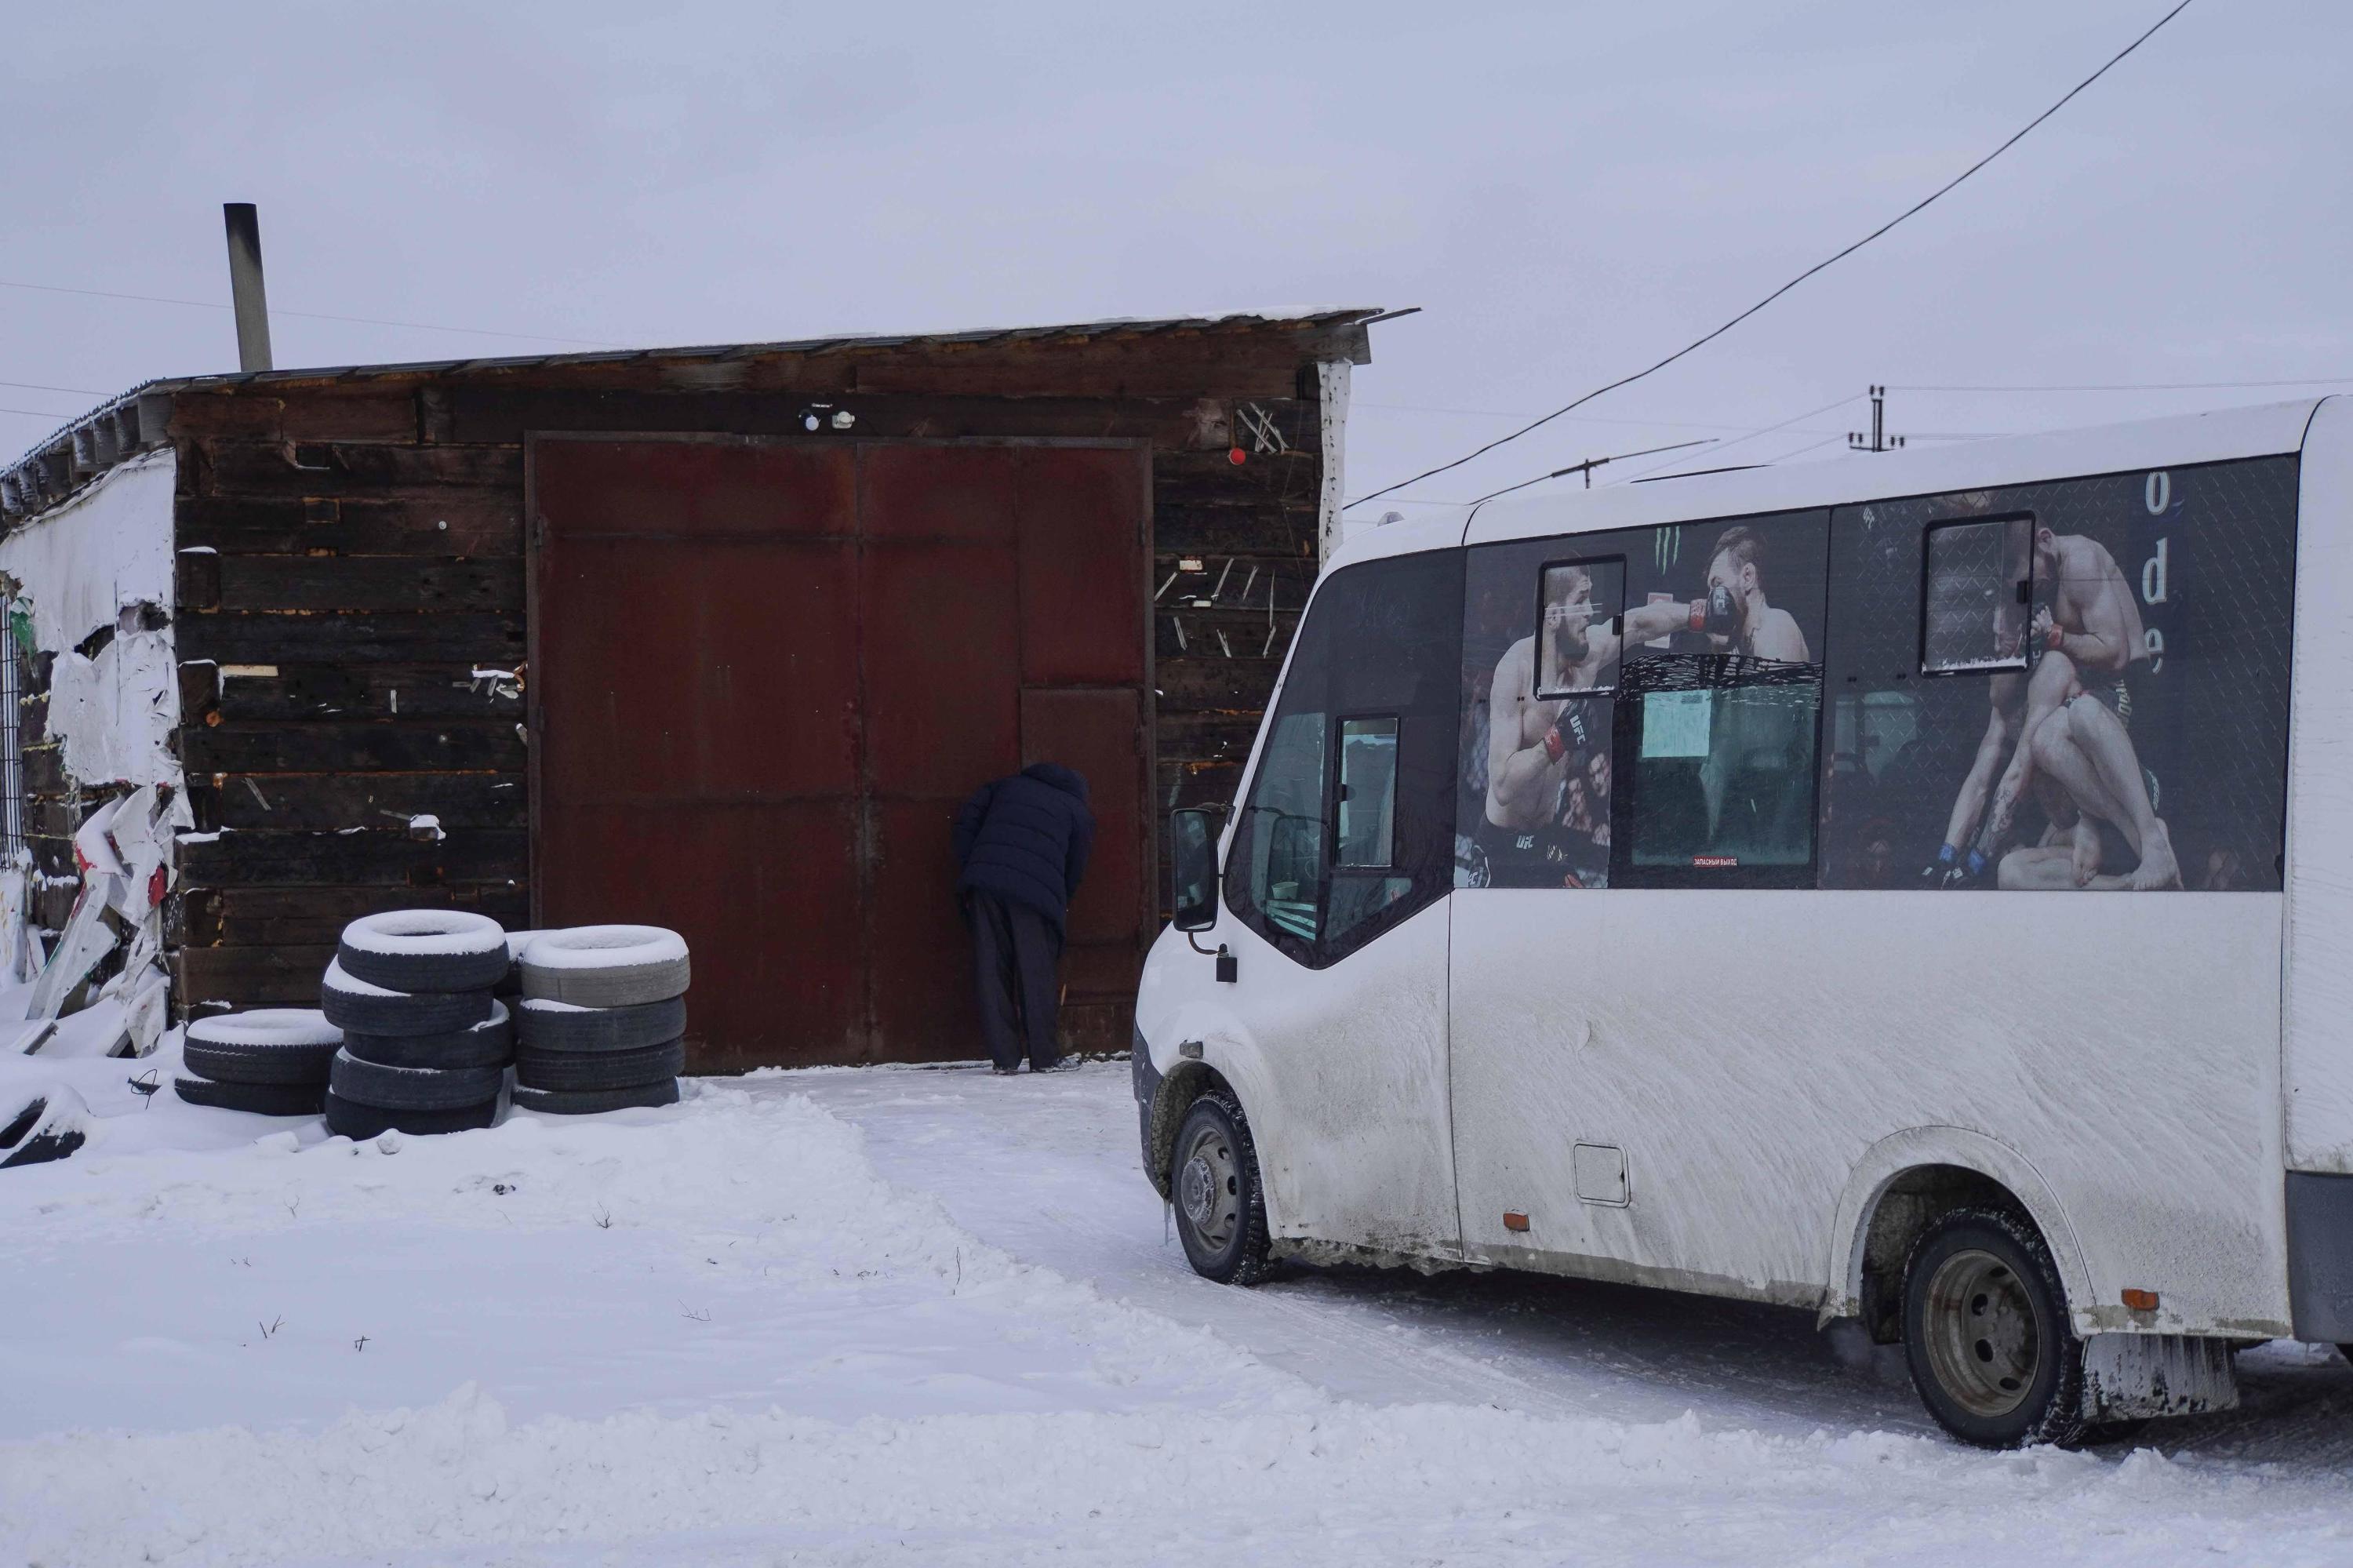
(315, 315)
(37, 386)
(36, 414)
(1586, 467)
(1767, 430)
(1710, 338)
(2148, 385)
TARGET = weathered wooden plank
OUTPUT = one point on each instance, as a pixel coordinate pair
(354, 413)
(374, 801)
(1205, 737)
(270, 976)
(1178, 784)
(347, 859)
(433, 745)
(353, 582)
(240, 636)
(1179, 634)
(454, 522)
(508, 414)
(1196, 685)
(351, 468)
(240, 916)
(1252, 529)
(339, 691)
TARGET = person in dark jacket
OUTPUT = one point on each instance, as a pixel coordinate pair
(1021, 847)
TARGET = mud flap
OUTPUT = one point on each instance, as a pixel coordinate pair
(2129, 1377)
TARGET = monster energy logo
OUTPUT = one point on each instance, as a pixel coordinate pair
(1667, 545)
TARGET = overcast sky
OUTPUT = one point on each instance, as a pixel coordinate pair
(1567, 191)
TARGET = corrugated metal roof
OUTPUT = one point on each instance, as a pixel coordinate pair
(78, 452)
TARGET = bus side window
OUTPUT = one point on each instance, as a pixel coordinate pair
(1973, 595)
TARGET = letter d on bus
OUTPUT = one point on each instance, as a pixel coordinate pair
(2152, 577)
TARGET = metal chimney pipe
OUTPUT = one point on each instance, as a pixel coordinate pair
(245, 285)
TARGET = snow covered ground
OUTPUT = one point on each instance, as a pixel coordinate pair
(889, 1315)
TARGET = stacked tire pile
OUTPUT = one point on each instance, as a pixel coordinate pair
(425, 1042)
(603, 1018)
(273, 1061)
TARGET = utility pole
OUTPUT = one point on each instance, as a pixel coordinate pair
(1879, 440)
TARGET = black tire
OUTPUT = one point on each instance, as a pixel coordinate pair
(358, 1122)
(564, 1026)
(38, 1134)
(1220, 1207)
(360, 1007)
(590, 1102)
(1987, 1335)
(489, 1043)
(268, 1045)
(23, 1120)
(600, 1069)
(606, 966)
(259, 1099)
(385, 950)
(413, 1088)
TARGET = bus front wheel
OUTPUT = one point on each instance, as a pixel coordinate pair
(1986, 1332)
(1221, 1208)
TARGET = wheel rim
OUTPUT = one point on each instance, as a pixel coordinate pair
(1209, 1189)
(1984, 1337)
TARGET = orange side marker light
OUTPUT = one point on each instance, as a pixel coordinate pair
(1513, 1221)
(2141, 1300)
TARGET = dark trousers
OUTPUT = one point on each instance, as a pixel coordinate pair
(1015, 950)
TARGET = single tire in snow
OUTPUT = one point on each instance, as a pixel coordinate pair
(592, 1102)
(600, 1069)
(1986, 1332)
(268, 1045)
(354, 1121)
(413, 1088)
(1220, 1207)
(259, 1100)
(48, 1127)
(606, 966)
(360, 1007)
(489, 1043)
(568, 1026)
(425, 949)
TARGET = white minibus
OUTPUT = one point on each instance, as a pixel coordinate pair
(1917, 888)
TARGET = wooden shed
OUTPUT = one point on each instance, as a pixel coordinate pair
(710, 638)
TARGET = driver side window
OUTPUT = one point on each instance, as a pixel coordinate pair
(1348, 827)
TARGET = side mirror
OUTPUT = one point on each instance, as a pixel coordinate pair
(1193, 868)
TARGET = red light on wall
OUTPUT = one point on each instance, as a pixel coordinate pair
(1237, 457)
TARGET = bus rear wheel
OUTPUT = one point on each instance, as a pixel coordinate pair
(1987, 1336)
(1221, 1208)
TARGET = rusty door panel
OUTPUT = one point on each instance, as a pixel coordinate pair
(766, 895)
(701, 489)
(923, 1001)
(1082, 567)
(1100, 733)
(727, 673)
(937, 492)
(941, 637)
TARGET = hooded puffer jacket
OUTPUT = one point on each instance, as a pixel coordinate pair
(1026, 838)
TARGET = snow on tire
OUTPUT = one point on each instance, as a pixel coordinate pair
(50, 1126)
(425, 949)
(413, 1088)
(256, 1099)
(268, 1045)
(360, 1007)
(600, 1069)
(568, 1026)
(348, 1119)
(594, 1101)
(489, 1043)
(606, 966)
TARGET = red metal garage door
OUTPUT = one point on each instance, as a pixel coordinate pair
(765, 675)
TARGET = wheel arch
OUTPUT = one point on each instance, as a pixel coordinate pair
(1183, 1084)
(1899, 1188)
